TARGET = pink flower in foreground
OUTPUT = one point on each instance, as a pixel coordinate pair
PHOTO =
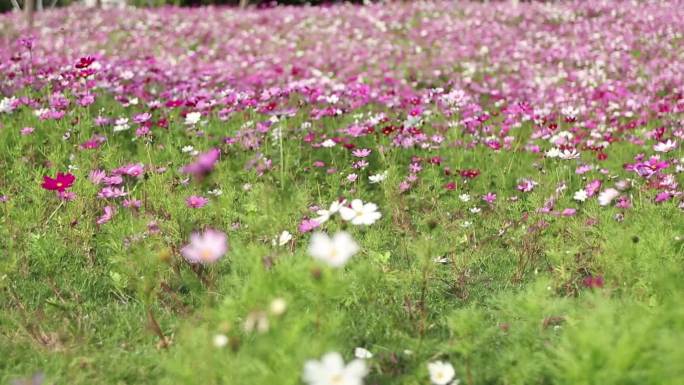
(204, 164)
(196, 202)
(59, 183)
(107, 216)
(206, 247)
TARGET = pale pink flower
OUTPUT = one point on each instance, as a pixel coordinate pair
(206, 247)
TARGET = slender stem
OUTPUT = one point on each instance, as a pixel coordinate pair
(282, 159)
(61, 203)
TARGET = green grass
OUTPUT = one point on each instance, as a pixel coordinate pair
(508, 308)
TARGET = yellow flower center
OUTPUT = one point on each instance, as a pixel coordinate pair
(59, 184)
(336, 379)
(206, 254)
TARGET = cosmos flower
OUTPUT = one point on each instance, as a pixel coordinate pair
(331, 370)
(362, 353)
(206, 247)
(360, 213)
(606, 196)
(324, 215)
(204, 163)
(307, 225)
(377, 178)
(580, 196)
(667, 146)
(441, 373)
(335, 251)
(196, 202)
(106, 216)
(60, 183)
(193, 118)
(526, 185)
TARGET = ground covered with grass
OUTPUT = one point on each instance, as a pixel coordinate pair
(407, 193)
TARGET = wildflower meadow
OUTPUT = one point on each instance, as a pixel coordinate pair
(419, 192)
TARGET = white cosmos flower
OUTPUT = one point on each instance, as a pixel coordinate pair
(580, 195)
(377, 178)
(606, 196)
(441, 373)
(331, 370)
(324, 215)
(121, 124)
(193, 118)
(187, 149)
(569, 154)
(328, 143)
(362, 353)
(284, 238)
(665, 146)
(360, 213)
(335, 251)
(464, 197)
(553, 153)
(220, 340)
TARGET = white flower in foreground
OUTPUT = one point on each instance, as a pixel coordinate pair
(335, 251)
(360, 213)
(464, 197)
(441, 373)
(580, 195)
(553, 153)
(324, 215)
(220, 340)
(328, 143)
(377, 178)
(192, 118)
(331, 370)
(362, 353)
(278, 306)
(606, 196)
(665, 146)
(284, 238)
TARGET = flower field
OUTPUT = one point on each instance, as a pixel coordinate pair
(402, 193)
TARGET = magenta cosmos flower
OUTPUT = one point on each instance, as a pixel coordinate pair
(206, 247)
(59, 183)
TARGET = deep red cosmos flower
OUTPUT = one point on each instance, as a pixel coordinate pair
(60, 183)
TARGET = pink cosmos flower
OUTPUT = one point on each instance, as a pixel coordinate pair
(204, 163)
(132, 203)
(361, 152)
(206, 247)
(489, 197)
(106, 216)
(133, 169)
(111, 192)
(66, 195)
(27, 131)
(97, 176)
(307, 225)
(526, 185)
(196, 202)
